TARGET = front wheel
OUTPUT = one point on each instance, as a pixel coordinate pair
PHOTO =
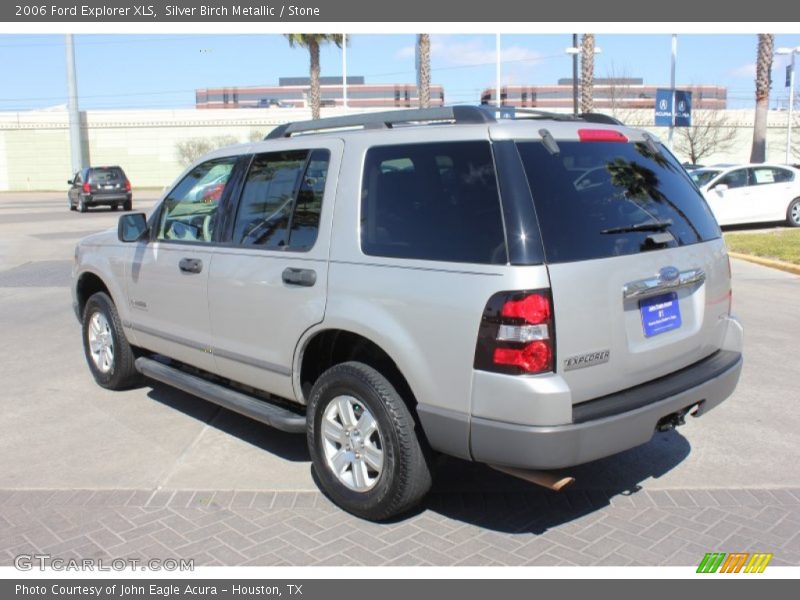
(110, 357)
(361, 436)
(793, 213)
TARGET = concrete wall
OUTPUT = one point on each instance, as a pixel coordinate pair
(34, 146)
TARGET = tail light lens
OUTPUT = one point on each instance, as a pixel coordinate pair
(127, 186)
(87, 188)
(516, 334)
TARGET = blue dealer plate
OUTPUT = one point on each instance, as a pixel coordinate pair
(660, 313)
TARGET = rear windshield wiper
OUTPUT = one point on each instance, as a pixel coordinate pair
(646, 226)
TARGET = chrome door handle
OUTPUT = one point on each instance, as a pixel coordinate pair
(658, 284)
(304, 277)
(190, 265)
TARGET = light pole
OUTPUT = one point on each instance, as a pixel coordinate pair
(344, 72)
(673, 60)
(793, 52)
(497, 69)
(574, 51)
(74, 115)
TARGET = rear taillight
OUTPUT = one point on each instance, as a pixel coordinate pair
(601, 135)
(87, 188)
(516, 334)
(127, 186)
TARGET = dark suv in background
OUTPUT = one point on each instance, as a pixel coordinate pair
(100, 186)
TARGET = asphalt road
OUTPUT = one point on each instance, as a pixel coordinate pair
(61, 431)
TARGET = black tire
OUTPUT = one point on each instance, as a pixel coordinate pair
(82, 206)
(128, 206)
(405, 477)
(793, 213)
(114, 206)
(122, 373)
(71, 205)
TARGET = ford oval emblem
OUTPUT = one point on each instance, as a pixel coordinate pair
(668, 274)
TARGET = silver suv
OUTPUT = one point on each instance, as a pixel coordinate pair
(532, 294)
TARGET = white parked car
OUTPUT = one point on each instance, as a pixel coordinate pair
(751, 193)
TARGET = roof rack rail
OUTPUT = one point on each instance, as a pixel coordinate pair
(457, 114)
(535, 113)
(600, 118)
(511, 112)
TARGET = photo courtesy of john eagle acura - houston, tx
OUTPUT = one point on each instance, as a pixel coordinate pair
(530, 291)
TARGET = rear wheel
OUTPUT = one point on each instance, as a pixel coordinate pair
(110, 357)
(114, 206)
(128, 206)
(82, 205)
(793, 213)
(366, 454)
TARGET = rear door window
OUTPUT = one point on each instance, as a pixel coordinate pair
(735, 179)
(436, 201)
(603, 199)
(281, 201)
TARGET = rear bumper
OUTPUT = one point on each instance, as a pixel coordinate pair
(102, 198)
(559, 446)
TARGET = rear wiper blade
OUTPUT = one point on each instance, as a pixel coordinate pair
(646, 226)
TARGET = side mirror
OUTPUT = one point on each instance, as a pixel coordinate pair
(720, 188)
(69, 181)
(132, 227)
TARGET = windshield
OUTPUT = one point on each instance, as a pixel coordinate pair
(703, 177)
(602, 199)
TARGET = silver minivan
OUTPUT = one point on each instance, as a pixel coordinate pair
(531, 293)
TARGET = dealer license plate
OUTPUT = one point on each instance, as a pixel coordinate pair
(660, 314)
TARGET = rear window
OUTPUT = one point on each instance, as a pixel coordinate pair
(436, 201)
(603, 199)
(105, 174)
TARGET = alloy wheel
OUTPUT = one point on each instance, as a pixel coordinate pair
(352, 443)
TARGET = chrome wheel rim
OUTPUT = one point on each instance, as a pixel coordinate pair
(101, 342)
(352, 443)
(795, 213)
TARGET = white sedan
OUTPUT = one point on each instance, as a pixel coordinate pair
(755, 193)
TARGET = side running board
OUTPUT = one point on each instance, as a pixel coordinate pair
(259, 410)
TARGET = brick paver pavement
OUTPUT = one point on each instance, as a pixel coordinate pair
(675, 527)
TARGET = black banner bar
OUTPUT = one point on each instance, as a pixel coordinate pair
(365, 11)
(708, 586)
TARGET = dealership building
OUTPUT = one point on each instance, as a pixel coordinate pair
(292, 92)
(608, 93)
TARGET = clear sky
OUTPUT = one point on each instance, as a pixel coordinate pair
(162, 71)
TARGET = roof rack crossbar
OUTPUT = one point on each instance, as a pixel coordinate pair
(458, 114)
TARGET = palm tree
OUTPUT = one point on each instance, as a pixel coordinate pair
(313, 41)
(424, 69)
(587, 72)
(766, 43)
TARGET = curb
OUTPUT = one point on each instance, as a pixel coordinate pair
(768, 262)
